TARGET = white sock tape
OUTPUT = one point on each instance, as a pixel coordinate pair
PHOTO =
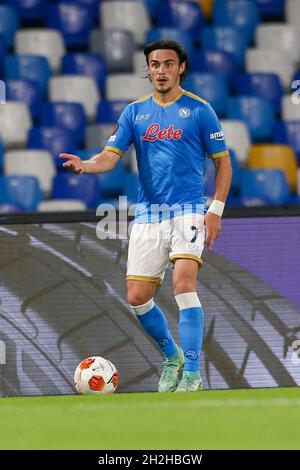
(142, 309)
(187, 300)
(217, 207)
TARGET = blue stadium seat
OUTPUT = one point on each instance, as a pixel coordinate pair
(271, 185)
(297, 75)
(9, 207)
(108, 112)
(2, 53)
(24, 191)
(92, 5)
(29, 67)
(175, 34)
(9, 24)
(116, 46)
(227, 39)
(265, 85)
(29, 10)
(183, 15)
(53, 139)
(242, 14)
(153, 8)
(111, 183)
(254, 201)
(130, 186)
(256, 112)
(74, 21)
(25, 91)
(89, 64)
(70, 116)
(210, 175)
(271, 9)
(210, 87)
(236, 173)
(212, 61)
(288, 132)
(72, 186)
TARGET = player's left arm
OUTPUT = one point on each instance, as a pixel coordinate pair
(212, 218)
(216, 149)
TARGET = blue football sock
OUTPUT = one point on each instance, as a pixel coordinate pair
(191, 325)
(155, 324)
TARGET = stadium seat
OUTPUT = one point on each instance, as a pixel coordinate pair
(153, 8)
(22, 191)
(264, 85)
(26, 92)
(242, 14)
(42, 42)
(290, 107)
(116, 46)
(61, 205)
(29, 67)
(74, 21)
(271, 9)
(292, 12)
(183, 37)
(271, 61)
(9, 207)
(9, 24)
(237, 138)
(92, 65)
(278, 157)
(1, 156)
(207, 7)
(111, 182)
(96, 136)
(219, 62)
(70, 116)
(279, 37)
(108, 112)
(298, 181)
(76, 89)
(15, 124)
(288, 133)
(297, 75)
(183, 15)
(80, 187)
(127, 87)
(37, 163)
(256, 112)
(131, 186)
(29, 10)
(54, 139)
(210, 87)
(267, 184)
(139, 63)
(128, 15)
(227, 39)
(92, 5)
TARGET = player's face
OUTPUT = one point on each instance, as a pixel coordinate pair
(164, 70)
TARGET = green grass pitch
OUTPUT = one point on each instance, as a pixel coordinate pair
(225, 419)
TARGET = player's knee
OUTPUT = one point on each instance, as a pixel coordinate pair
(135, 299)
(181, 286)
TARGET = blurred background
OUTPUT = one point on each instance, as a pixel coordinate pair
(70, 67)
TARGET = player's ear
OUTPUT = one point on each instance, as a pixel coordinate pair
(182, 67)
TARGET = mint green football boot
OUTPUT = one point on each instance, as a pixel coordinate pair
(190, 382)
(172, 367)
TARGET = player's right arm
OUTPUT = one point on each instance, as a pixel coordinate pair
(100, 163)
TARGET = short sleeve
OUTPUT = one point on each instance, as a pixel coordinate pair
(122, 137)
(212, 134)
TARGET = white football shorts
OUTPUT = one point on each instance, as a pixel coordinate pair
(152, 245)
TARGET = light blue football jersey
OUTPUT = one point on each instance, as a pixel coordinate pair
(172, 141)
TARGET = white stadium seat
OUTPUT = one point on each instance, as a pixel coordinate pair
(279, 37)
(15, 124)
(43, 42)
(271, 61)
(97, 135)
(237, 138)
(37, 163)
(292, 12)
(76, 89)
(127, 87)
(290, 110)
(61, 205)
(127, 15)
(140, 64)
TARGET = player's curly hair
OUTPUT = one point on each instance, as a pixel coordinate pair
(173, 46)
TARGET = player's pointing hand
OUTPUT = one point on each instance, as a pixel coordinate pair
(73, 163)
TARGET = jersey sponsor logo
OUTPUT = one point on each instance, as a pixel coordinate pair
(112, 138)
(217, 136)
(155, 132)
(184, 112)
(140, 117)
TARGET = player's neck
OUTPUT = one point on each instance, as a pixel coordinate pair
(168, 97)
